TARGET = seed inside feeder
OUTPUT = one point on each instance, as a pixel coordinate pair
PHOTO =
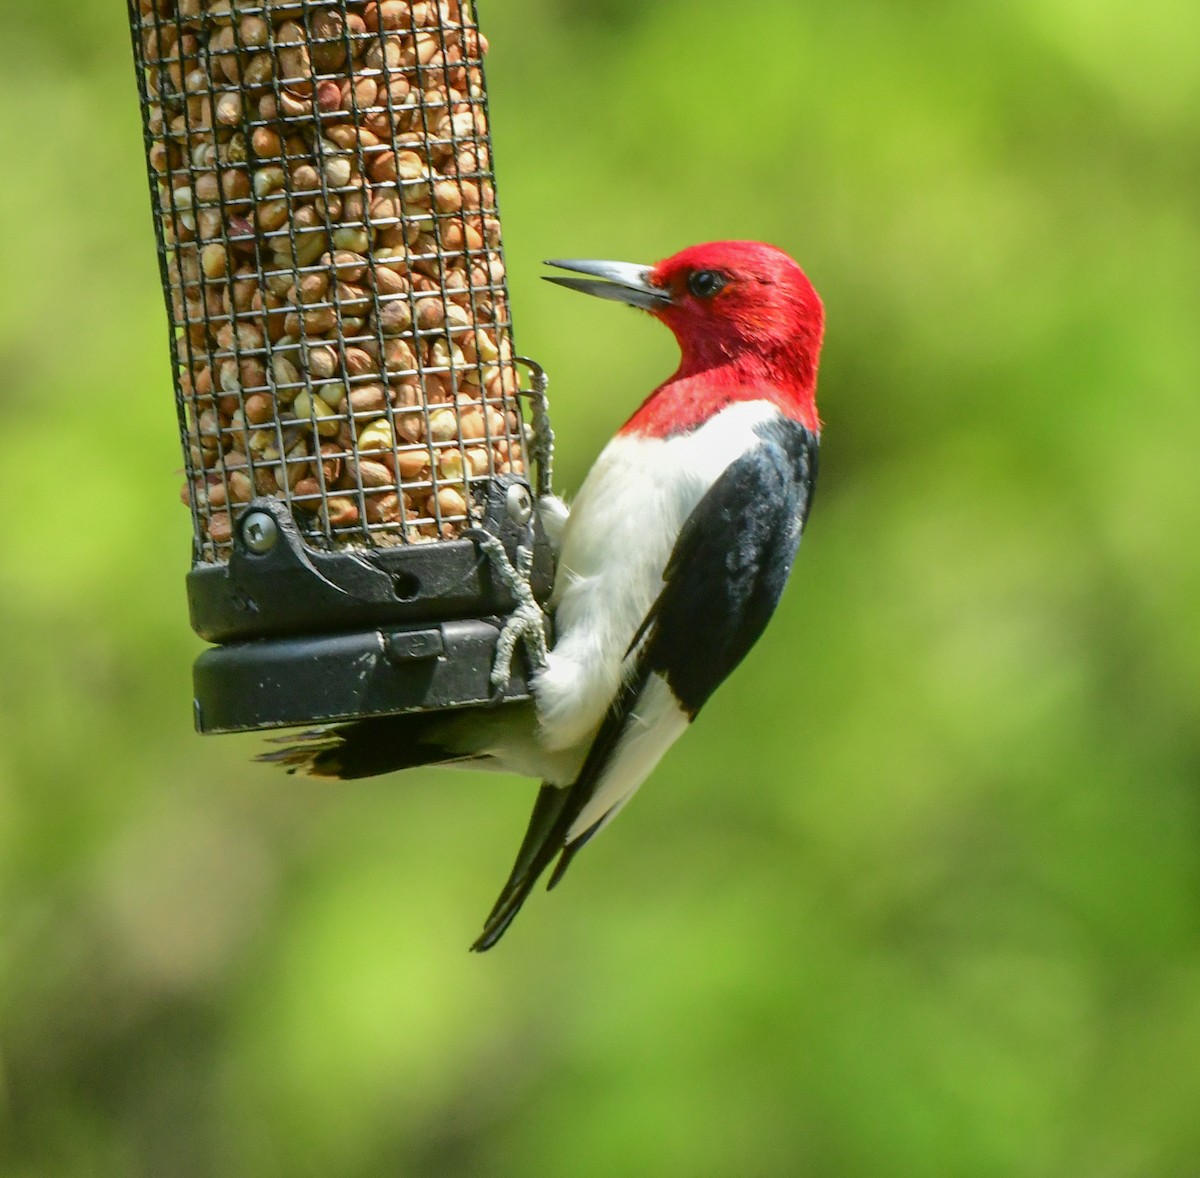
(326, 210)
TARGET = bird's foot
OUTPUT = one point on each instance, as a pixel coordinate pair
(527, 622)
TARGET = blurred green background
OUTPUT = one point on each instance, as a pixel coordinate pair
(918, 895)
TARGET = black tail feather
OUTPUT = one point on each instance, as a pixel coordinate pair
(570, 851)
(363, 748)
(541, 843)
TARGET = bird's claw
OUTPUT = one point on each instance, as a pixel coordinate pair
(526, 623)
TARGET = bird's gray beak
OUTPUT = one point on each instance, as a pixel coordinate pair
(621, 281)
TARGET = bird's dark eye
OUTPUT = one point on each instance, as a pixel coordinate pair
(705, 283)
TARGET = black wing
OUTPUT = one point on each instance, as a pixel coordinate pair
(731, 563)
(721, 585)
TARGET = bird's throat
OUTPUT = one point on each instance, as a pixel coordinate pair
(695, 394)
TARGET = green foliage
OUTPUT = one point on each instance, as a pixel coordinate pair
(918, 896)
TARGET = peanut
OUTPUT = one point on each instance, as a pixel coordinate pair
(322, 363)
(373, 475)
(376, 436)
(241, 488)
(341, 511)
(383, 509)
(443, 425)
(411, 463)
(367, 400)
(448, 502)
(220, 527)
(260, 408)
(320, 415)
(452, 465)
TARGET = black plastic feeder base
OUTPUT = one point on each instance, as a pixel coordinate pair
(310, 636)
(314, 679)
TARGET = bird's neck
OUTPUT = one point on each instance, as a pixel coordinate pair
(704, 385)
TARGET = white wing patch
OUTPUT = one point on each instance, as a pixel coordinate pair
(655, 724)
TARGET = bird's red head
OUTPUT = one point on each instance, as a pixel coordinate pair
(731, 297)
(748, 322)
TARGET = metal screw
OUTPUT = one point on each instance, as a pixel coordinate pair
(259, 532)
(519, 503)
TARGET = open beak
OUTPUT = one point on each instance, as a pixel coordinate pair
(622, 282)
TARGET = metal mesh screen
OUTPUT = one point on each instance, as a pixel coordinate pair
(330, 246)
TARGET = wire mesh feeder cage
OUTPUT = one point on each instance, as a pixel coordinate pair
(348, 396)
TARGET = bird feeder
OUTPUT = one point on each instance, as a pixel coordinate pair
(348, 397)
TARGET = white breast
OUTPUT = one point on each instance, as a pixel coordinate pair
(621, 531)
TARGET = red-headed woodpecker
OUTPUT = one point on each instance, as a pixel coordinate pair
(672, 558)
